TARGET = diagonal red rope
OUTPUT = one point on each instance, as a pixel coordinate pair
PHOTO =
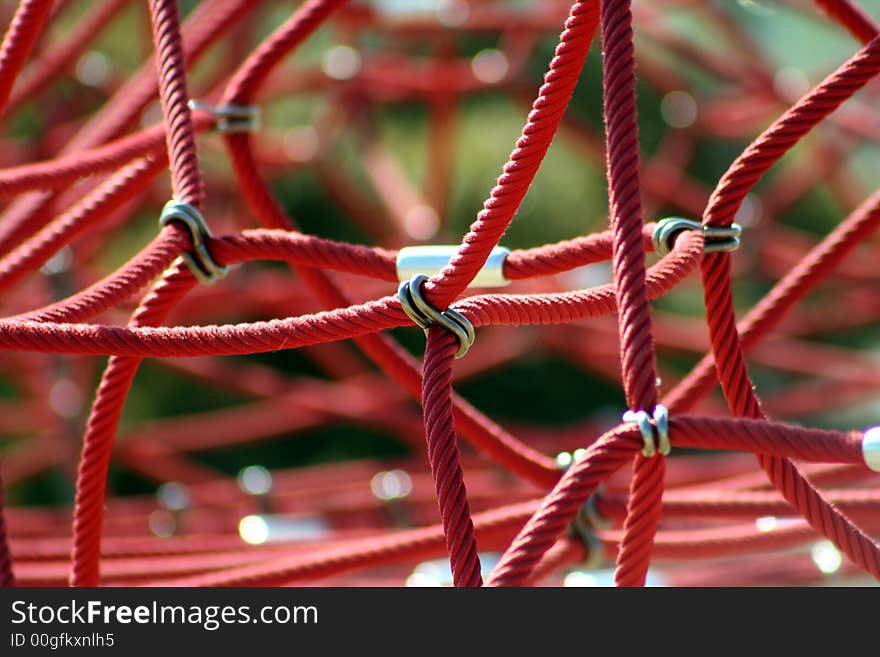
(615, 448)
(519, 172)
(852, 17)
(19, 40)
(51, 63)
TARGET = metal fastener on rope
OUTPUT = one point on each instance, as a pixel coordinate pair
(871, 448)
(591, 514)
(716, 238)
(199, 260)
(659, 428)
(424, 314)
(586, 523)
(661, 422)
(232, 118)
(644, 421)
(431, 259)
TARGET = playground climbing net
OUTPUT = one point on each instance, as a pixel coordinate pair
(678, 485)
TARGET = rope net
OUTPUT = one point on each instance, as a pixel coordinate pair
(771, 481)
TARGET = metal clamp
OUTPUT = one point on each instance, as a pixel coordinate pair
(424, 314)
(716, 238)
(232, 118)
(199, 260)
(659, 427)
(432, 258)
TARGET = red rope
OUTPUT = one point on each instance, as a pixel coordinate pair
(186, 179)
(520, 170)
(852, 17)
(730, 362)
(187, 187)
(50, 64)
(617, 446)
(61, 172)
(441, 446)
(128, 183)
(204, 26)
(458, 528)
(774, 306)
(634, 312)
(61, 201)
(119, 286)
(19, 40)
(88, 518)
(349, 322)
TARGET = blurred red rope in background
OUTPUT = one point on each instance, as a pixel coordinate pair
(369, 522)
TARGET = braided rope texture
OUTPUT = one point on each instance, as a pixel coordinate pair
(493, 504)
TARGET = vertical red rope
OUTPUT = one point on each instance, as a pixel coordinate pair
(186, 180)
(625, 207)
(437, 393)
(634, 311)
(458, 528)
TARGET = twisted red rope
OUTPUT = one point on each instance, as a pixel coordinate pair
(88, 517)
(186, 179)
(458, 528)
(634, 312)
(507, 195)
(19, 40)
(31, 233)
(730, 362)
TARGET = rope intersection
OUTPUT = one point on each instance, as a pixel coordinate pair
(511, 512)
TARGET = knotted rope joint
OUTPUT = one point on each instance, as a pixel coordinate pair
(716, 238)
(655, 431)
(199, 260)
(424, 314)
